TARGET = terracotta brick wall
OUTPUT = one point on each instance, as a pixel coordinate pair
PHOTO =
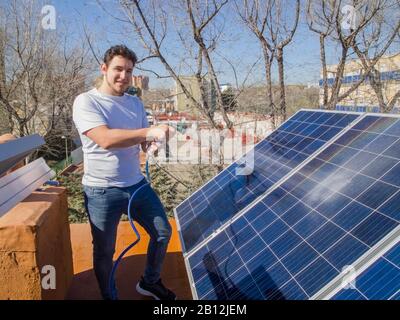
(33, 234)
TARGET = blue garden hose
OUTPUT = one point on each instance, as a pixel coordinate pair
(111, 281)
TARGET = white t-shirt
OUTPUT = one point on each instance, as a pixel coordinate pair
(116, 167)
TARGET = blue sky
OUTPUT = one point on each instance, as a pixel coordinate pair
(302, 63)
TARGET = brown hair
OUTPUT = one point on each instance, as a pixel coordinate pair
(119, 50)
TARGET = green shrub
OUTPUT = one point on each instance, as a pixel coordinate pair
(76, 206)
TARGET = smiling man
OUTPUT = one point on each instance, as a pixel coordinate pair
(112, 125)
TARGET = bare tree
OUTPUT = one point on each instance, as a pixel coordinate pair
(320, 18)
(200, 16)
(150, 23)
(372, 43)
(268, 22)
(327, 19)
(40, 75)
(255, 18)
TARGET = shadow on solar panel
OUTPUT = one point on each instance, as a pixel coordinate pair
(330, 220)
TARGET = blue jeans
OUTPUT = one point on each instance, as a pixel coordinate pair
(105, 207)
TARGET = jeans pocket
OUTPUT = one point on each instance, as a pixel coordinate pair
(94, 192)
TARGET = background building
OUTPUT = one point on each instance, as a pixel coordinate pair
(183, 103)
(141, 82)
(364, 97)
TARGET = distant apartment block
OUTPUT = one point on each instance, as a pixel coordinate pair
(363, 99)
(141, 82)
(184, 103)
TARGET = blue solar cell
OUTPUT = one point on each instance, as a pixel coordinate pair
(392, 176)
(301, 115)
(309, 224)
(295, 213)
(264, 260)
(223, 252)
(323, 172)
(345, 121)
(250, 249)
(393, 151)
(333, 120)
(284, 204)
(362, 140)
(230, 265)
(313, 147)
(299, 257)
(345, 251)
(351, 215)
(293, 182)
(315, 116)
(379, 167)
(337, 155)
(320, 271)
(346, 139)
(264, 220)
(366, 123)
(319, 131)
(374, 228)
(376, 194)
(240, 286)
(274, 197)
(394, 129)
(360, 160)
(285, 243)
(311, 166)
(357, 185)
(391, 208)
(273, 231)
(275, 277)
(332, 205)
(290, 291)
(382, 124)
(329, 134)
(240, 238)
(393, 255)
(381, 143)
(325, 237)
(304, 187)
(316, 196)
(307, 130)
(259, 211)
(217, 294)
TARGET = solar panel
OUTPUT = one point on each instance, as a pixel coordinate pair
(228, 193)
(12, 152)
(296, 240)
(17, 185)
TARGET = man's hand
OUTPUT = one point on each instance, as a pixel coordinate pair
(122, 138)
(160, 132)
(145, 146)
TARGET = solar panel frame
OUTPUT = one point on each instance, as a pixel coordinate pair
(186, 255)
(317, 111)
(294, 171)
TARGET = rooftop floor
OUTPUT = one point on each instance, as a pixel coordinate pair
(84, 285)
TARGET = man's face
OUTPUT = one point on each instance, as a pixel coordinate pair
(118, 74)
